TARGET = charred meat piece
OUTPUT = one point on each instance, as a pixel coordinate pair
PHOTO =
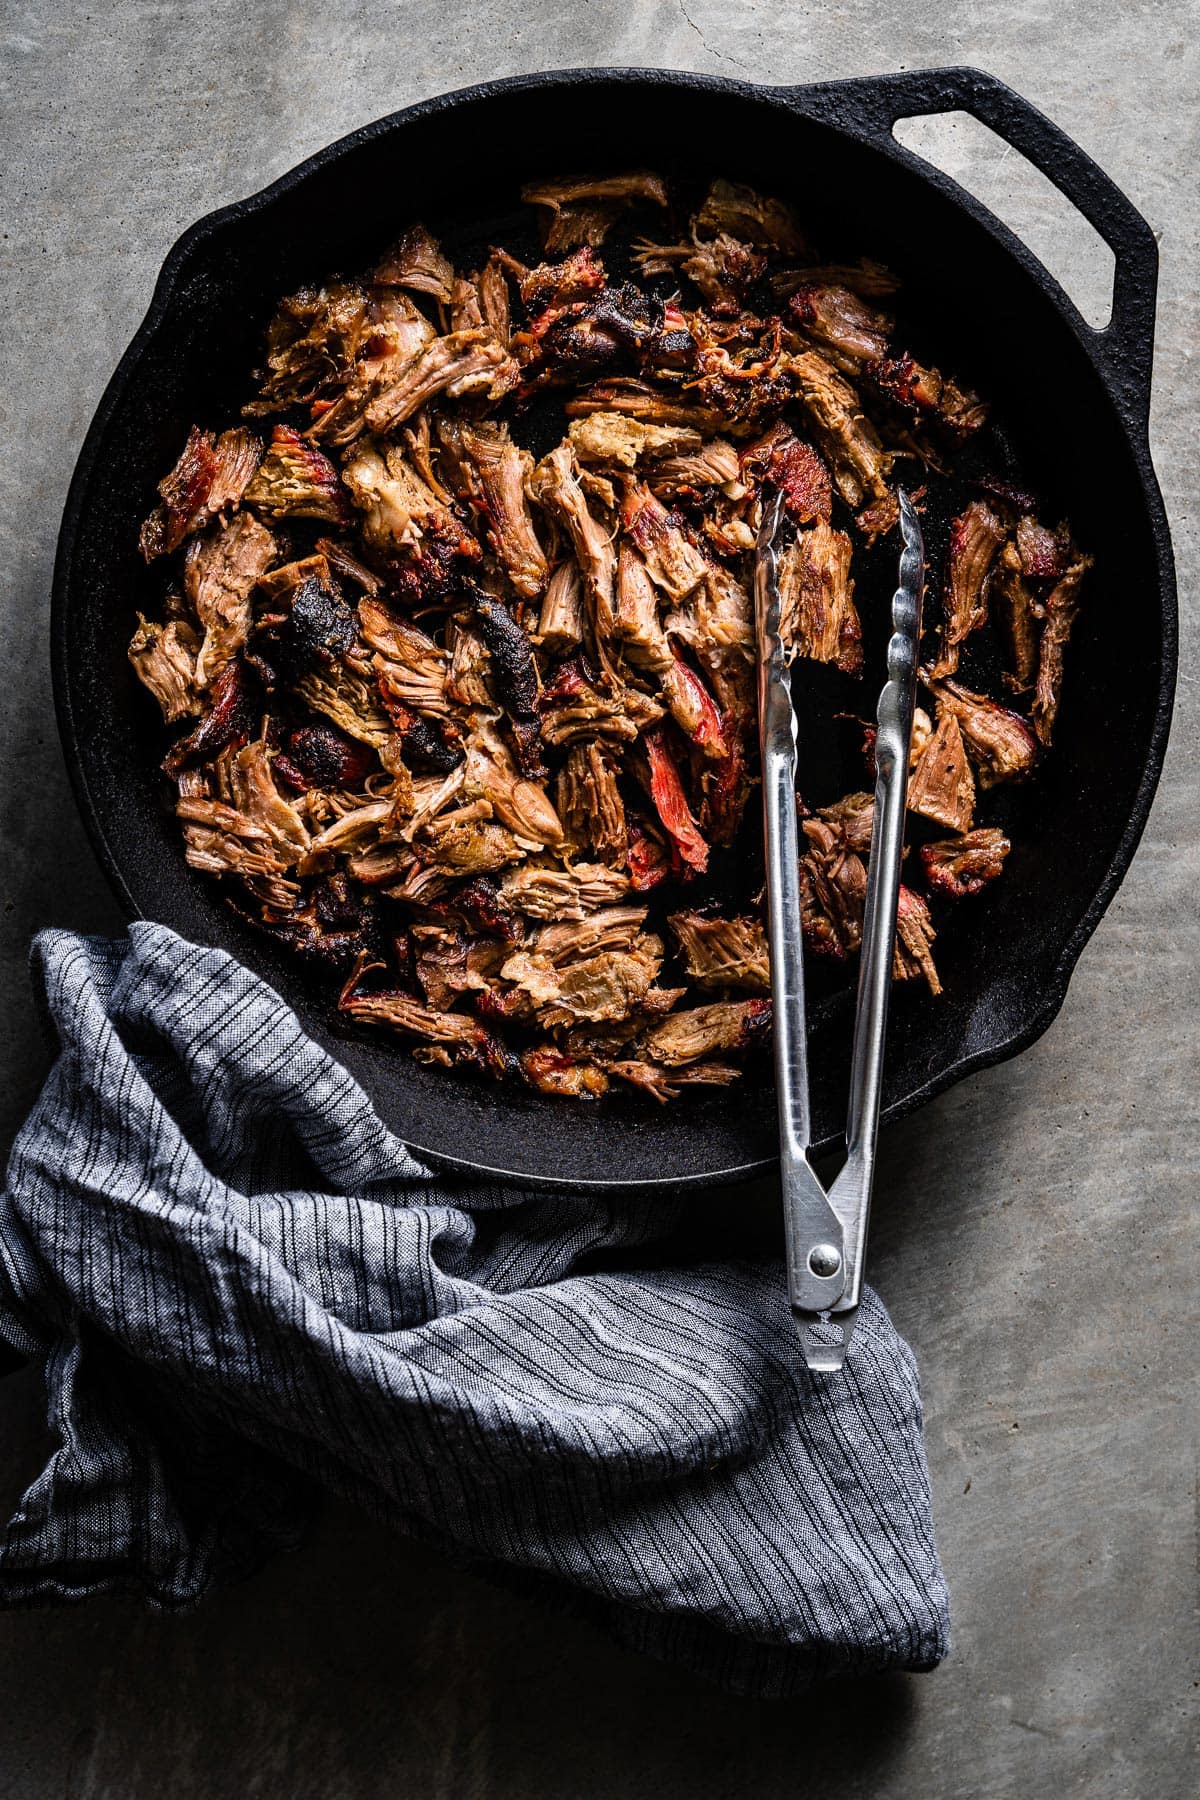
(723, 953)
(294, 480)
(795, 469)
(818, 617)
(577, 277)
(210, 477)
(583, 211)
(975, 537)
(1062, 606)
(515, 676)
(941, 786)
(590, 804)
(960, 866)
(227, 720)
(927, 393)
(317, 756)
(1000, 743)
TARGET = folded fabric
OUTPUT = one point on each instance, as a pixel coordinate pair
(244, 1289)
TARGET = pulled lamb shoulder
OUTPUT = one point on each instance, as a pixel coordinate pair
(485, 743)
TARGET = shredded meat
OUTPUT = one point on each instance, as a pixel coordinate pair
(210, 478)
(1062, 605)
(818, 617)
(999, 741)
(475, 735)
(941, 786)
(164, 660)
(975, 537)
(724, 953)
(220, 573)
(583, 211)
(965, 865)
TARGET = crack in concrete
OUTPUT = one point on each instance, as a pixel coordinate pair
(721, 55)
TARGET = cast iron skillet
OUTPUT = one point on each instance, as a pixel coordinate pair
(1073, 404)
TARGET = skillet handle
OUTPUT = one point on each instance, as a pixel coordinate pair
(873, 104)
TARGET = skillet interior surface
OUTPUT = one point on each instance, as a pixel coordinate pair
(967, 303)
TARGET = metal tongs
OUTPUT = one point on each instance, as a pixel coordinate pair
(827, 1232)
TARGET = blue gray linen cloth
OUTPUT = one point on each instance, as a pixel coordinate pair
(245, 1289)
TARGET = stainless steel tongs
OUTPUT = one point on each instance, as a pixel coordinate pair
(827, 1231)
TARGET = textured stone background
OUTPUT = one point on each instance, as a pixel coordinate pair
(1061, 1422)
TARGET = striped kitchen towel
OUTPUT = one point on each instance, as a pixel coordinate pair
(243, 1289)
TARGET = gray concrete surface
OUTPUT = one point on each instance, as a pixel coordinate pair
(1061, 1430)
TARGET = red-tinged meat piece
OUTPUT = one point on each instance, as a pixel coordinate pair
(959, 866)
(648, 859)
(228, 720)
(666, 790)
(694, 709)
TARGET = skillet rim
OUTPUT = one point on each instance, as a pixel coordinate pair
(819, 100)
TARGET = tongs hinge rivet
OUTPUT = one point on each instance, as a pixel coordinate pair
(824, 1259)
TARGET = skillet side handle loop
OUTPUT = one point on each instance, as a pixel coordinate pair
(874, 104)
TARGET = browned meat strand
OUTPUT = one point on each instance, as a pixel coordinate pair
(818, 617)
(975, 537)
(462, 701)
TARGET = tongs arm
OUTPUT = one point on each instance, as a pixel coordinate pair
(813, 1230)
(850, 1195)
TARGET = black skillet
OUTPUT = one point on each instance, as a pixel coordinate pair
(1072, 406)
